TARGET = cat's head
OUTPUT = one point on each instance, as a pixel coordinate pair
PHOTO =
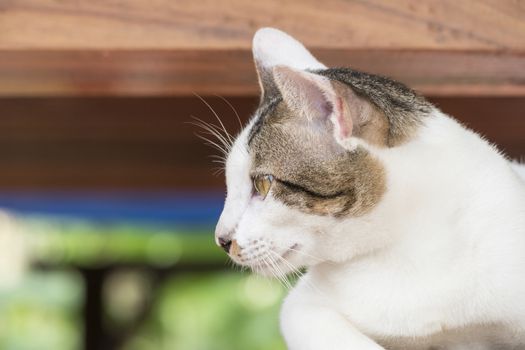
(305, 163)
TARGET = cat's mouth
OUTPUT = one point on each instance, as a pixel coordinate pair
(290, 250)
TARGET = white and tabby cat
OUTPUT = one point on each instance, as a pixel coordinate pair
(412, 228)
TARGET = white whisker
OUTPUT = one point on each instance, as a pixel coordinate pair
(218, 171)
(281, 273)
(298, 273)
(217, 117)
(233, 109)
(211, 143)
(212, 130)
(270, 267)
(218, 157)
(303, 253)
(293, 269)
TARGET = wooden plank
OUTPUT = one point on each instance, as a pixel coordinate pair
(231, 72)
(230, 24)
(146, 143)
(175, 48)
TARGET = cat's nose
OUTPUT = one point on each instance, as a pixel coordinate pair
(223, 237)
(225, 243)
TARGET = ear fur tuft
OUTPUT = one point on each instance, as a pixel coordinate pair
(272, 47)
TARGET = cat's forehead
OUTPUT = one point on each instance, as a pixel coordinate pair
(284, 145)
(267, 107)
(278, 135)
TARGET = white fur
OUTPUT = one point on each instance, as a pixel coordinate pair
(443, 250)
(272, 47)
(519, 168)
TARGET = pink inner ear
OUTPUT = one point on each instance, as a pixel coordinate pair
(345, 124)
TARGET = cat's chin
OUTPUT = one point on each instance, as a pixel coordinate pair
(267, 271)
(275, 270)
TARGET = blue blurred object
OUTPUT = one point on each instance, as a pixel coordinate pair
(184, 208)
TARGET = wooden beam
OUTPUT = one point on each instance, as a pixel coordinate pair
(140, 48)
(148, 143)
(231, 72)
(230, 24)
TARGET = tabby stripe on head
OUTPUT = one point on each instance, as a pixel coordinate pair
(264, 110)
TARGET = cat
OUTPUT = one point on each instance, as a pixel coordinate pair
(410, 226)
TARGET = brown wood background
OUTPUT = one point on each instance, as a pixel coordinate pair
(231, 72)
(230, 24)
(94, 94)
(146, 143)
(175, 48)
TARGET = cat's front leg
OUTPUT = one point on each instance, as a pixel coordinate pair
(308, 324)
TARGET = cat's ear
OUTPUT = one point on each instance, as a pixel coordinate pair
(271, 48)
(318, 100)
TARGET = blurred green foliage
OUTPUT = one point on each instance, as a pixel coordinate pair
(224, 310)
(84, 243)
(42, 312)
(221, 311)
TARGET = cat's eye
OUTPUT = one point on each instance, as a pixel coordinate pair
(262, 184)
